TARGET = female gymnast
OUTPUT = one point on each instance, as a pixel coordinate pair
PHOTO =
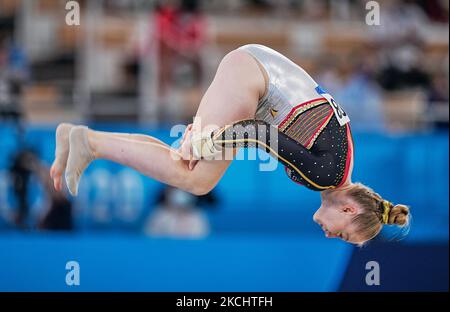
(258, 98)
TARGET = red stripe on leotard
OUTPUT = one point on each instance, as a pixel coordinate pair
(294, 108)
(327, 119)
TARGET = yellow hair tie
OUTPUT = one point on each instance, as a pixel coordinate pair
(387, 209)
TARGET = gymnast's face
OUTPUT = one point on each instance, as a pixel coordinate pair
(335, 216)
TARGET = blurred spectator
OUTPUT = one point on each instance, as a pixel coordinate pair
(437, 10)
(177, 215)
(20, 172)
(13, 71)
(400, 43)
(58, 215)
(354, 89)
(180, 34)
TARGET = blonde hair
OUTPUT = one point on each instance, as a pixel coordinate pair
(376, 212)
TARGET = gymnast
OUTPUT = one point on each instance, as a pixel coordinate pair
(258, 98)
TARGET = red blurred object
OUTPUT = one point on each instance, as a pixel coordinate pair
(182, 31)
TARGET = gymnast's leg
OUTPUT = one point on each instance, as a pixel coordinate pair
(62, 149)
(232, 95)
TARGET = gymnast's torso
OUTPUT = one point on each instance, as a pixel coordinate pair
(317, 128)
(288, 84)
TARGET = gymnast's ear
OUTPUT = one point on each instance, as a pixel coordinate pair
(350, 209)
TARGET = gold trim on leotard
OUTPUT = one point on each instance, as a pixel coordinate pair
(278, 156)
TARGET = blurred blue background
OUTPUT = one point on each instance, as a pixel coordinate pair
(265, 243)
(142, 67)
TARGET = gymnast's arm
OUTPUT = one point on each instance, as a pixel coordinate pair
(258, 133)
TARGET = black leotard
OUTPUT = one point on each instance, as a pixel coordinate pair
(324, 165)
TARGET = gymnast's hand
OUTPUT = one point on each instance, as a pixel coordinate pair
(186, 148)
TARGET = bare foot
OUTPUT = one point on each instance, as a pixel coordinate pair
(61, 154)
(80, 156)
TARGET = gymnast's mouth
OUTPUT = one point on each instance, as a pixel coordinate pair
(325, 230)
(322, 226)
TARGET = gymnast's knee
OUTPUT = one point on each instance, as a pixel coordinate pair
(199, 187)
(201, 190)
(234, 58)
(193, 182)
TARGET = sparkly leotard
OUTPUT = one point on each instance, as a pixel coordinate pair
(297, 122)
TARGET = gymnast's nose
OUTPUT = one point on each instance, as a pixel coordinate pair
(316, 218)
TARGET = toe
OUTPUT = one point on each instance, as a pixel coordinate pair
(56, 183)
(55, 170)
(52, 171)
